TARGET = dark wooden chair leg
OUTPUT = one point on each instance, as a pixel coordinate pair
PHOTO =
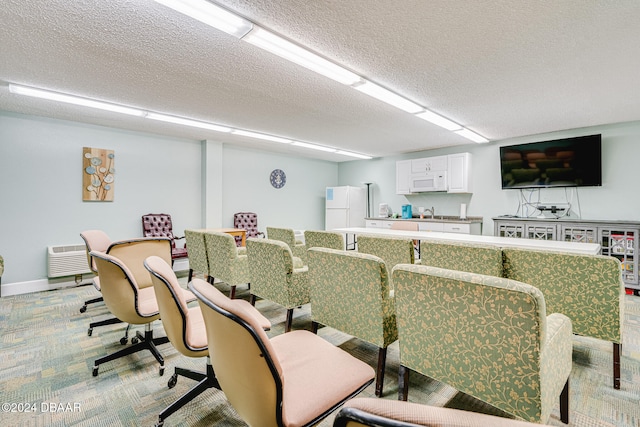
(617, 349)
(403, 383)
(211, 279)
(564, 403)
(190, 275)
(289, 321)
(314, 327)
(382, 360)
(232, 292)
(252, 299)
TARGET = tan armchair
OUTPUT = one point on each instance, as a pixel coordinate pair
(94, 240)
(368, 412)
(350, 293)
(185, 329)
(486, 336)
(324, 239)
(227, 262)
(129, 303)
(293, 379)
(287, 235)
(277, 276)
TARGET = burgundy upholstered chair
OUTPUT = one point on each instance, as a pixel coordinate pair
(160, 225)
(248, 221)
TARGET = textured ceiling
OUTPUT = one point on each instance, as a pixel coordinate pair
(501, 68)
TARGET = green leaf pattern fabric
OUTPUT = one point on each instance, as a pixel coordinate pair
(350, 292)
(587, 288)
(287, 235)
(323, 239)
(198, 261)
(273, 275)
(225, 263)
(473, 258)
(485, 336)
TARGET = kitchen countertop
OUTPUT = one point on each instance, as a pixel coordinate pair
(436, 218)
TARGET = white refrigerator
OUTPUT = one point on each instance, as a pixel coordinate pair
(345, 207)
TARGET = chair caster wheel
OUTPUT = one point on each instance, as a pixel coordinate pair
(124, 340)
(161, 370)
(83, 309)
(159, 424)
(173, 381)
(89, 331)
(95, 371)
(134, 340)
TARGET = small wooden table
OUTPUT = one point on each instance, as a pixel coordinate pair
(240, 232)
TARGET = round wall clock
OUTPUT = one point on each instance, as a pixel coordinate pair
(278, 178)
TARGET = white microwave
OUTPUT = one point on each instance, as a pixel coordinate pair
(429, 181)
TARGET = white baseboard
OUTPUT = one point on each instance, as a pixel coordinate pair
(19, 288)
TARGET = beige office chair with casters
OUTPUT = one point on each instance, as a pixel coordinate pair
(94, 240)
(129, 303)
(293, 379)
(185, 329)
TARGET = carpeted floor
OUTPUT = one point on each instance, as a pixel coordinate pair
(46, 359)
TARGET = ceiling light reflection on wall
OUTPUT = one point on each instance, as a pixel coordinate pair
(187, 122)
(472, 136)
(313, 146)
(212, 15)
(292, 52)
(389, 97)
(76, 100)
(437, 119)
(261, 136)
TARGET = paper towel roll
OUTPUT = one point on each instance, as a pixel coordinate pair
(463, 211)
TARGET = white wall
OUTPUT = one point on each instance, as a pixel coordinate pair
(614, 200)
(198, 183)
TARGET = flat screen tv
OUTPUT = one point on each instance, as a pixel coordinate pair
(568, 162)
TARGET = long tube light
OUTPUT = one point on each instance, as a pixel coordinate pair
(91, 103)
(292, 52)
(227, 21)
(187, 122)
(389, 97)
(263, 136)
(211, 14)
(466, 133)
(437, 119)
(71, 99)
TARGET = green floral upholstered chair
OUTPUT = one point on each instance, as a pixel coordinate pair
(324, 239)
(227, 262)
(277, 275)
(1, 267)
(287, 235)
(489, 337)
(392, 250)
(350, 293)
(587, 288)
(370, 412)
(470, 257)
(198, 261)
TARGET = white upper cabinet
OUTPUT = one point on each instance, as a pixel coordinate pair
(459, 173)
(403, 177)
(429, 164)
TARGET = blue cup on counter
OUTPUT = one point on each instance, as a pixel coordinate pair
(407, 212)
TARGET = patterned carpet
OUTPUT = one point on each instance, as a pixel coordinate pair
(46, 360)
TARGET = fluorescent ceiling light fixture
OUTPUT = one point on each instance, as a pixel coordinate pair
(313, 146)
(187, 122)
(290, 51)
(471, 135)
(212, 15)
(437, 119)
(389, 97)
(348, 153)
(261, 136)
(76, 100)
